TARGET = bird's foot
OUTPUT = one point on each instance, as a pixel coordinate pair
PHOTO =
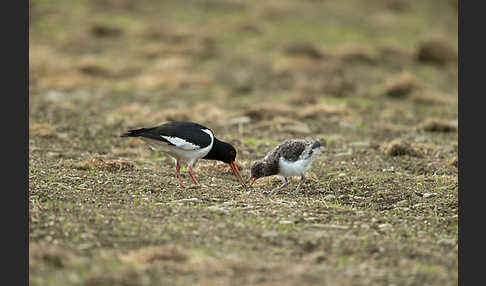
(273, 192)
(199, 186)
(181, 184)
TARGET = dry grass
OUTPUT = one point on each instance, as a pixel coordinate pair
(437, 125)
(400, 86)
(399, 147)
(437, 50)
(101, 163)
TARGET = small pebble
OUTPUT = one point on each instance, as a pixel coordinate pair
(270, 234)
(330, 197)
(385, 226)
(330, 226)
(402, 203)
(429, 195)
(447, 241)
(217, 209)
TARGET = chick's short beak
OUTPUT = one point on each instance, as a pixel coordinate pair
(251, 180)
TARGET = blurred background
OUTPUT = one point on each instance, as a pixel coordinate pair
(304, 66)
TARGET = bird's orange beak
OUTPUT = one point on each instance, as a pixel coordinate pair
(234, 167)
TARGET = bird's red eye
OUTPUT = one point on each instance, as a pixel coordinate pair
(232, 153)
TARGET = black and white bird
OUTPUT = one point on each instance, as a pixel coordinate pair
(187, 142)
(293, 157)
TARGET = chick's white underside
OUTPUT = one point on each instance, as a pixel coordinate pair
(297, 168)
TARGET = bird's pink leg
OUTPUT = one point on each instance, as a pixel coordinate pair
(178, 168)
(192, 176)
(274, 191)
(297, 190)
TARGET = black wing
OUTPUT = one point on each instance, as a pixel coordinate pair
(188, 131)
(291, 150)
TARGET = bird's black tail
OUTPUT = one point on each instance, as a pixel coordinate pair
(319, 143)
(134, 132)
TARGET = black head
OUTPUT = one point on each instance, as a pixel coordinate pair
(226, 153)
(221, 151)
(257, 170)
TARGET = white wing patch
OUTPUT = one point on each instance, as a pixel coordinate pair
(210, 135)
(181, 143)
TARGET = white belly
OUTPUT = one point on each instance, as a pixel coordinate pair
(188, 157)
(297, 168)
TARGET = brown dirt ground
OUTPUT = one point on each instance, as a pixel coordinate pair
(377, 79)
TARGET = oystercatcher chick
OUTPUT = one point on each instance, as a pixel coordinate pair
(292, 158)
(187, 142)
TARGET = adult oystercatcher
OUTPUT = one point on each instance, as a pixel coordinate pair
(294, 157)
(187, 142)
